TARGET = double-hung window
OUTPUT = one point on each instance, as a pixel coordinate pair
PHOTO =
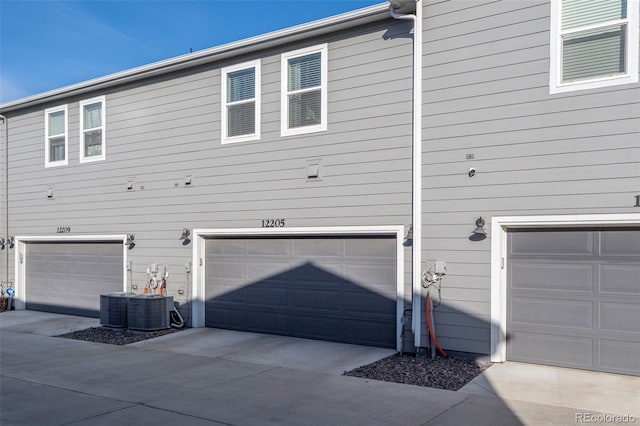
(92, 130)
(56, 141)
(594, 43)
(241, 102)
(304, 91)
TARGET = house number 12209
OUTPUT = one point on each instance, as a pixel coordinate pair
(273, 223)
(63, 229)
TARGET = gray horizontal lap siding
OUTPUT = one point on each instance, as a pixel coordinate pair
(486, 92)
(159, 131)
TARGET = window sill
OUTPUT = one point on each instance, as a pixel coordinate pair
(303, 130)
(594, 83)
(92, 159)
(243, 138)
(56, 164)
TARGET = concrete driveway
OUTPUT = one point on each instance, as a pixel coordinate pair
(209, 377)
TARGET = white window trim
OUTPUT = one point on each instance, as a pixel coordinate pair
(257, 100)
(555, 63)
(47, 150)
(499, 260)
(101, 157)
(284, 98)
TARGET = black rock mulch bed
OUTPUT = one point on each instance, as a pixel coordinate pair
(116, 336)
(449, 373)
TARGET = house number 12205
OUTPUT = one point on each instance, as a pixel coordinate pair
(273, 223)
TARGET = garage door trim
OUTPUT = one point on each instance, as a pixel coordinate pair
(499, 227)
(200, 235)
(21, 260)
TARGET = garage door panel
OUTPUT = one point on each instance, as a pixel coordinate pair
(584, 313)
(228, 247)
(552, 242)
(227, 317)
(317, 298)
(268, 247)
(623, 243)
(366, 331)
(620, 279)
(315, 326)
(620, 355)
(555, 350)
(266, 321)
(363, 248)
(370, 303)
(304, 287)
(272, 271)
(620, 317)
(552, 276)
(273, 296)
(226, 269)
(375, 277)
(318, 274)
(318, 248)
(565, 313)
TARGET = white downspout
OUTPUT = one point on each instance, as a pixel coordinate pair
(416, 278)
(6, 193)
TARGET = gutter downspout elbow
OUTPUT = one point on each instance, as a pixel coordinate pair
(416, 323)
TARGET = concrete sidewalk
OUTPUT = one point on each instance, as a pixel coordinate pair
(55, 381)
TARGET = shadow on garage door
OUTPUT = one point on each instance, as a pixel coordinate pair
(307, 301)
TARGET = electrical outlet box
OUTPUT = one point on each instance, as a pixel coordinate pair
(441, 267)
(187, 267)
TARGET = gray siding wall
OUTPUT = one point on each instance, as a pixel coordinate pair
(486, 93)
(160, 131)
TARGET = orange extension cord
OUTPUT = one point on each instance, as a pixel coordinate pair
(433, 337)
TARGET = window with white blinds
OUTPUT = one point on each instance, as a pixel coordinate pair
(56, 136)
(304, 91)
(241, 102)
(594, 43)
(92, 129)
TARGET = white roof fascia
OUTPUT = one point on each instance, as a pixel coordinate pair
(263, 41)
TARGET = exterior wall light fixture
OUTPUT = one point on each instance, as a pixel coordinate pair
(130, 243)
(479, 233)
(408, 238)
(11, 242)
(186, 233)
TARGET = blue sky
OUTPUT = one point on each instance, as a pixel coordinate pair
(46, 45)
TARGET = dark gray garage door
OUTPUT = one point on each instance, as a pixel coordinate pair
(338, 289)
(574, 298)
(70, 277)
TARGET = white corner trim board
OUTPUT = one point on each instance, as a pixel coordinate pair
(499, 227)
(200, 236)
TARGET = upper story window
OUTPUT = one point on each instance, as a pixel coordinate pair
(304, 91)
(241, 102)
(92, 129)
(56, 141)
(593, 44)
